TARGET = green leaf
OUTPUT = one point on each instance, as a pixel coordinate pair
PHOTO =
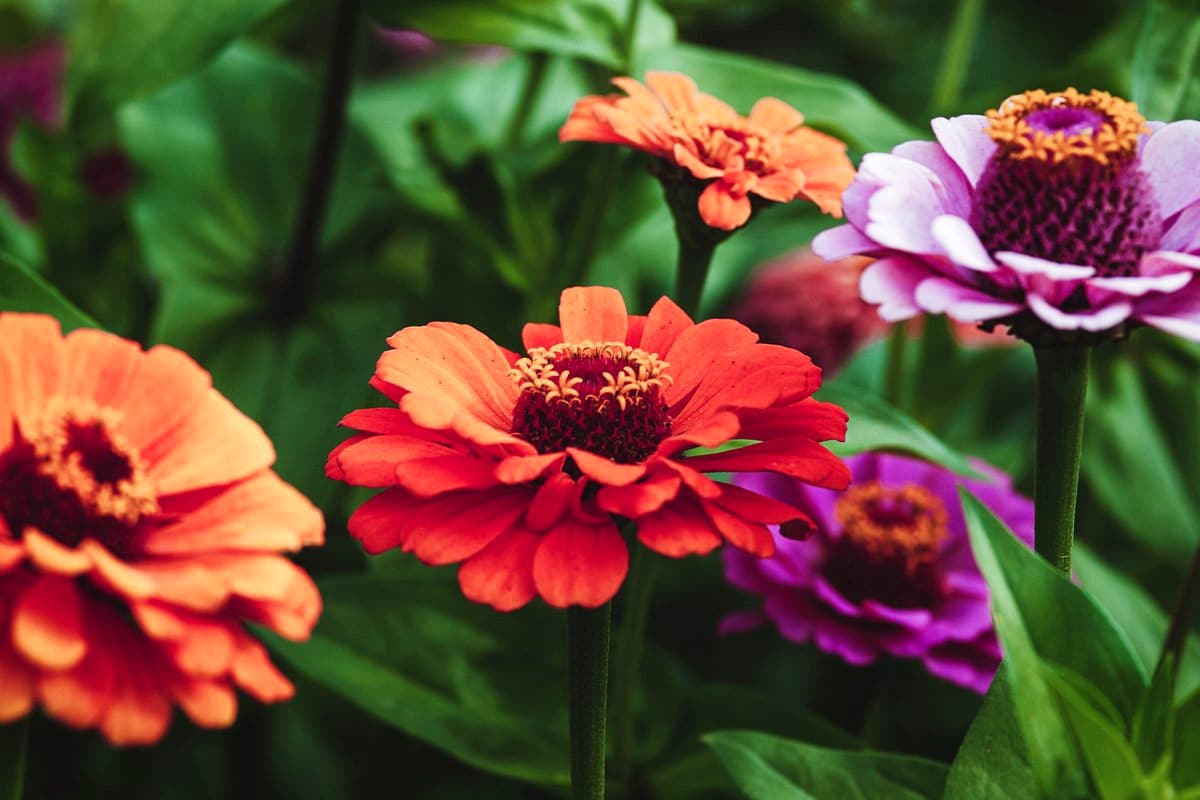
(593, 30)
(408, 649)
(24, 290)
(1154, 723)
(992, 763)
(1186, 771)
(124, 49)
(215, 227)
(770, 768)
(1164, 65)
(828, 102)
(874, 425)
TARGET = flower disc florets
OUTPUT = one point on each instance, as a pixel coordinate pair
(605, 398)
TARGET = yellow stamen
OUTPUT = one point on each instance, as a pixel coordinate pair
(1117, 136)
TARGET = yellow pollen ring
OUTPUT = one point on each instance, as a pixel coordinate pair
(48, 433)
(1118, 136)
(916, 534)
(640, 373)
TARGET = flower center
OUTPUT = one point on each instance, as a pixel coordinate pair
(1065, 183)
(889, 545)
(605, 398)
(68, 474)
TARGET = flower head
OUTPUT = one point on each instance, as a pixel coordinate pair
(1064, 215)
(140, 525)
(522, 467)
(802, 302)
(889, 570)
(770, 153)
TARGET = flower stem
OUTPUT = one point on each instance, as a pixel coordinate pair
(627, 663)
(587, 667)
(956, 55)
(691, 273)
(893, 376)
(1181, 616)
(1062, 375)
(14, 744)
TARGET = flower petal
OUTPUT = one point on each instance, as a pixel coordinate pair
(798, 457)
(501, 575)
(1169, 159)
(592, 314)
(1092, 320)
(721, 207)
(959, 302)
(580, 564)
(1041, 267)
(679, 529)
(966, 141)
(960, 242)
(891, 283)
(47, 623)
(640, 498)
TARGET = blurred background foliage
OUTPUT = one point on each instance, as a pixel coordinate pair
(179, 199)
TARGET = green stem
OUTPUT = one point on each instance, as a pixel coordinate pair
(14, 744)
(1062, 375)
(630, 38)
(1181, 616)
(538, 64)
(627, 662)
(893, 376)
(695, 257)
(956, 55)
(587, 667)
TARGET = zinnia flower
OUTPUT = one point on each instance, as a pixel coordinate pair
(889, 570)
(802, 302)
(30, 86)
(770, 154)
(1060, 212)
(521, 467)
(140, 525)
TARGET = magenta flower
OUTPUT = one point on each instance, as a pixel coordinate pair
(888, 570)
(1060, 212)
(30, 87)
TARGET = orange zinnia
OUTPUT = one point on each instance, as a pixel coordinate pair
(770, 153)
(521, 468)
(140, 525)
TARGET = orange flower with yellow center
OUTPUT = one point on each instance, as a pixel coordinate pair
(140, 526)
(770, 153)
(523, 468)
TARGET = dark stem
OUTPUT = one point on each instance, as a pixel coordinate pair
(1062, 376)
(587, 668)
(893, 376)
(296, 273)
(627, 661)
(14, 745)
(538, 63)
(1181, 615)
(691, 273)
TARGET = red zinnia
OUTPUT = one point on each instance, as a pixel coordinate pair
(140, 525)
(521, 468)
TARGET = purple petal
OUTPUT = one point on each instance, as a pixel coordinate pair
(966, 142)
(741, 622)
(1182, 233)
(960, 242)
(1136, 286)
(1177, 314)
(901, 212)
(959, 302)
(951, 185)
(913, 619)
(962, 664)
(891, 284)
(828, 594)
(842, 241)
(1169, 160)
(1098, 319)
(1167, 261)
(1053, 270)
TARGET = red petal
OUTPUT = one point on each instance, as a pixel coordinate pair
(592, 314)
(678, 529)
(47, 625)
(580, 564)
(800, 458)
(639, 499)
(385, 420)
(522, 469)
(538, 334)
(378, 523)
(501, 575)
(757, 507)
(753, 537)
(446, 472)
(664, 323)
(551, 502)
(452, 527)
(604, 470)
(16, 685)
(809, 418)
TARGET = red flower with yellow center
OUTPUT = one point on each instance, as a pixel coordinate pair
(770, 153)
(521, 468)
(140, 526)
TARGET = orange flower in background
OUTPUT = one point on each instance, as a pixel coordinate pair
(140, 525)
(521, 468)
(770, 153)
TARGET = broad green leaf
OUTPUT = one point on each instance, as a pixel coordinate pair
(767, 767)
(1129, 466)
(222, 157)
(1164, 68)
(124, 49)
(992, 763)
(1138, 615)
(24, 290)
(408, 649)
(1112, 762)
(593, 30)
(1186, 772)
(829, 102)
(874, 425)
(1154, 723)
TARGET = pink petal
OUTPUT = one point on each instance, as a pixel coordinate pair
(1092, 320)
(842, 241)
(959, 302)
(891, 284)
(1169, 160)
(960, 242)
(1053, 270)
(966, 142)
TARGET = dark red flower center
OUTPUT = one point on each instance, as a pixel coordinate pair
(605, 398)
(1065, 182)
(70, 476)
(889, 545)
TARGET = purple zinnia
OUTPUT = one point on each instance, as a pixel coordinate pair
(1064, 215)
(889, 569)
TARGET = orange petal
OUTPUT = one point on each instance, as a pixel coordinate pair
(538, 334)
(775, 116)
(50, 556)
(79, 697)
(678, 529)
(198, 645)
(552, 500)
(449, 528)
(800, 458)
(378, 523)
(382, 420)
(580, 564)
(139, 713)
(720, 207)
(209, 704)
(692, 163)
(604, 470)
(99, 366)
(47, 626)
(522, 469)
(447, 471)
(664, 323)
(16, 685)
(678, 92)
(11, 553)
(592, 314)
(501, 575)
(781, 186)
(640, 498)
(255, 673)
(166, 389)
